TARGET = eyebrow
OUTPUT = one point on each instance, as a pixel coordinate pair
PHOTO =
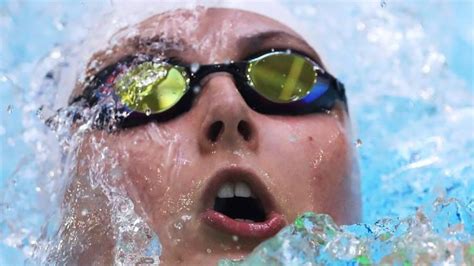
(157, 44)
(250, 45)
(276, 40)
(137, 45)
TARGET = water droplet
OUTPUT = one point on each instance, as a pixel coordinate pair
(186, 217)
(38, 189)
(209, 251)
(148, 112)
(426, 69)
(9, 108)
(358, 143)
(125, 207)
(194, 67)
(293, 138)
(55, 54)
(360, 26)
(178, 226)
(196, 89)
(59, 24)
(235, 238)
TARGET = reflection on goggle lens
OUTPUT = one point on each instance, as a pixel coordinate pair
(152, 87)
(281, 77)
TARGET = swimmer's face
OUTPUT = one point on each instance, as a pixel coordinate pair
(174, 170)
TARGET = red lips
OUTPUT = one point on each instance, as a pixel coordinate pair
(265, 229)
(273, 222)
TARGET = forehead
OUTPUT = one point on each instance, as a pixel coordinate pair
(209, 23)
(207, 34)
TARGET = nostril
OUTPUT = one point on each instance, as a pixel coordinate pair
(214, 130)
(245, 130)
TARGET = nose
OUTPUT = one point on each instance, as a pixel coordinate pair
(228, 123)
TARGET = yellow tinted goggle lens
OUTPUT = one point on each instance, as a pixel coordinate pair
(282, 77)
(152, 87)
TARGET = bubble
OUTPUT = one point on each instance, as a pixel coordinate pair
(209, 251)
(235, 238)
(383, 3)
(358, 143)
(148, 112)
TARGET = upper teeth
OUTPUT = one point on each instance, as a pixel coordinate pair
(238, 189)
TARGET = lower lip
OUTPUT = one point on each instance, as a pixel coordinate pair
(265, 229)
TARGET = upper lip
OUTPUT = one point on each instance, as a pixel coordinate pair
(234, 174)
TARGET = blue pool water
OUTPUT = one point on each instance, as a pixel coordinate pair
(408, 68)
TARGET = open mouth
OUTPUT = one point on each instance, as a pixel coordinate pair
(236, 201)
(240, 205)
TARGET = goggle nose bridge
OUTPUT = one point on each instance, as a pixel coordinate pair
(236, 69)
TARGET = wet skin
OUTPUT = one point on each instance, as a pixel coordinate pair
(302, 163)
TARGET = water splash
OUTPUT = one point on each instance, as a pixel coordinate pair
(395, 95)
(442, 235)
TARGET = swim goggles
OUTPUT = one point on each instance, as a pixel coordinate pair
(275, 82)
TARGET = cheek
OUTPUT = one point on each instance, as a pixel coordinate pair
(311, 143)
(329, 152)
(315, 159)
(155, 157)
(330, 149)
(97, 159)
(330, 187)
